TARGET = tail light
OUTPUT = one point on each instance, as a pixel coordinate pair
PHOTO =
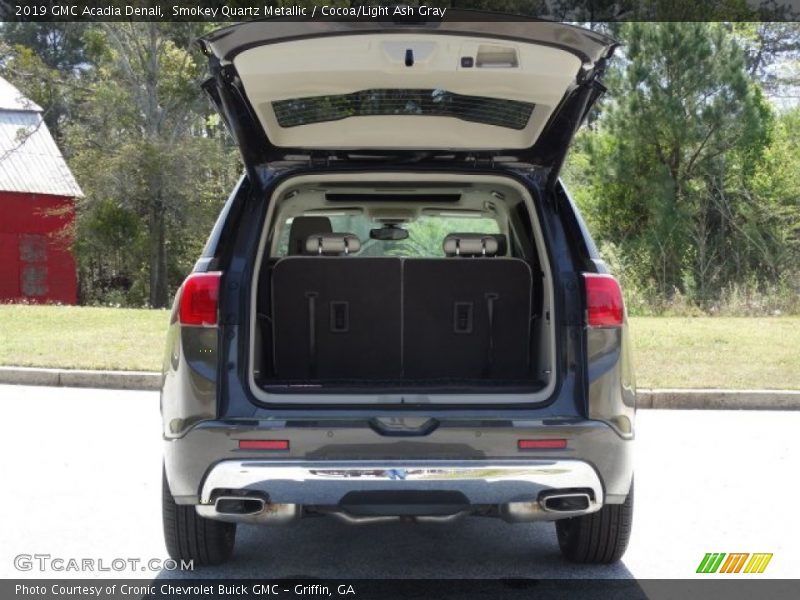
(199, 302)
(604, 306)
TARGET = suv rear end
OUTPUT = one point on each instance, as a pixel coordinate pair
(412, 323)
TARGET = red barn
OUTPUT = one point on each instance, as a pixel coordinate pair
(37, 207)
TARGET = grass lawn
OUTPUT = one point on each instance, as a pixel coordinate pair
(76, 337)
(668, 352)
(717, 352)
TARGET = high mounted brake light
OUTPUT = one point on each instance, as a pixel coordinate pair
(199, 301)
(604, 305)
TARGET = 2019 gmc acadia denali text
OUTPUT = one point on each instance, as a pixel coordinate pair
(399, 313)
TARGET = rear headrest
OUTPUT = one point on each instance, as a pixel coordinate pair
(301, 228)
(332, 244)
(474, 244)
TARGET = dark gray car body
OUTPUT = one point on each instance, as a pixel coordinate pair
(206, 401)
(207, 405)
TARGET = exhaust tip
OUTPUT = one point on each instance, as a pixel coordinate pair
(566, 502)
(233, 505)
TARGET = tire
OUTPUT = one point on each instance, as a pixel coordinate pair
(188, 536)
(597, 538)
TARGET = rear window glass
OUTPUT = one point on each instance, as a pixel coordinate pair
(512, 114)
(425, 235)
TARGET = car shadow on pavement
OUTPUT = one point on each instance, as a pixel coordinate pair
(517, 557)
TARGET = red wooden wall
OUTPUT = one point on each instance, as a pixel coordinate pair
(36, 264)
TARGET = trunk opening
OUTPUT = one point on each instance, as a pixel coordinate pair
(348, 311)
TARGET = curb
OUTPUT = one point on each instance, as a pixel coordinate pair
(716, 399)
(682, 399)
(115, 380)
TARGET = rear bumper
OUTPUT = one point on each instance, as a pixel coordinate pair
(275, 491)
(205, 456)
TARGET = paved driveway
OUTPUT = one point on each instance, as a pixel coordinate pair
(81, 471)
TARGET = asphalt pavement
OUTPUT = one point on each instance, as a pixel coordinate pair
(81, 475)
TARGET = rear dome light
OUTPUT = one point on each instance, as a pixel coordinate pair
(199, 301)
(604, 305)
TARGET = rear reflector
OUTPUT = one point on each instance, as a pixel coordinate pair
(200, 299)
(604, 306)
(541, 444)
(263, 444)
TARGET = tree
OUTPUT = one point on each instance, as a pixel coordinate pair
(44, 61)
(684, 110)
(147, 127)
(772, 51)
(768, 198)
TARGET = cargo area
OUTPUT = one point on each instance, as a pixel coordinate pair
(401, 288)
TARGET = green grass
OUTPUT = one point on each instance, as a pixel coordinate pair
(717, 352)
(702, 352)
(76, 337)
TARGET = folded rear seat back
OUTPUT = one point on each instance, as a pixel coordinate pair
(466, 318)
(343, 318)
(337, 318)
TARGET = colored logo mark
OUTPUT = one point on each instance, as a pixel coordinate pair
(737, 562)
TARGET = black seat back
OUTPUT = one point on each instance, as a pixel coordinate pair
(466, 318)
(337, 318)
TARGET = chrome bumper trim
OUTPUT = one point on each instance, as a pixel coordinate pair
(516, 485)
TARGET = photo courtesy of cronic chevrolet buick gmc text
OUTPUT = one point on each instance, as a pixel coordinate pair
(399, 313)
